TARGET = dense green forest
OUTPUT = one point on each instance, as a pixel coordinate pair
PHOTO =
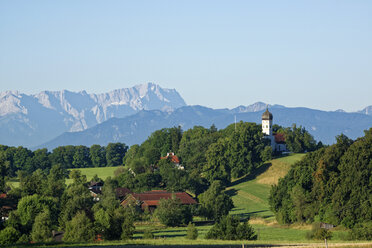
(332, 185)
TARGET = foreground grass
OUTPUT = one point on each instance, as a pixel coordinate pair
(181, 243)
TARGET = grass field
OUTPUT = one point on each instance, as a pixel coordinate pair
(250, 195)
(101, 172)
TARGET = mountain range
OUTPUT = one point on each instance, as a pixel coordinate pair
(50, 119)
(30, 120)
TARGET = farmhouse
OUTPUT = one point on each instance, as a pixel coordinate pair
(150, 199)
(175, 160)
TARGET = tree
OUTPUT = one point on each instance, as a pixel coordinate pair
(108, 213)
(244, 148)
(9, 235)
(297, 139)
(81, 157)
(214, 202)
(115, 153)
(217, 167)
(31, 206)
(192, 232)
(63, 155)
(32, 184)
(76, 198)
(40, 160)
(331, 185)
(4, 168)
(266, 154)
(55, 185)
(194, 145)
(79, 229)
(97, 155)
(42, 228)
(127, 228)
(21, 159)
(230, 228)
(171, 213)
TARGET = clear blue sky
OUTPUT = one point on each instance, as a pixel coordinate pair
(315, 54)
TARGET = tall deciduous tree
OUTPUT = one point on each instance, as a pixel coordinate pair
(97, 155)
(79, 229)
(115, 153)
(214, 202)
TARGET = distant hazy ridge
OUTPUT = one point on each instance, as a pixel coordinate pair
(50, 119)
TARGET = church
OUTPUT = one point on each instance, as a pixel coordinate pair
(277, 140)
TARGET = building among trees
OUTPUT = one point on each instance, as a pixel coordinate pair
(150, 199)
(277, 141)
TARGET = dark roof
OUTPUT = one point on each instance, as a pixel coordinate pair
(92, 184)
(122, 192)
(96, 191)
(267, 115)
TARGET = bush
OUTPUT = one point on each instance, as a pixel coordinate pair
(171, 213)
(319, 233)
(192, 232)
(230, 228)
(79, 229)
(42, 228)
(127, 228)
(9, 235)
(361, 232)
(24, 239)
(148, 234)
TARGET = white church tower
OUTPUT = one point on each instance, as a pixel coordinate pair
(267, 123)
(267, 127)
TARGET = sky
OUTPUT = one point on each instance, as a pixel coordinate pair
(219, 54)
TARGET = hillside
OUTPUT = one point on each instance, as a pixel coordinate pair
(250, 195)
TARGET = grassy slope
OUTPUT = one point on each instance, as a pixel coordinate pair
(250, 195)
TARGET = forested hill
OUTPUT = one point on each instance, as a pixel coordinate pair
(331, 185)
(323, 125)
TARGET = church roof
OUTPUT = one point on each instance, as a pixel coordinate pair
(267, 115)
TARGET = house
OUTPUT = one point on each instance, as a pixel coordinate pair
(96, 185)
(174, 159)
(121, 193)
(4, 212)
(150, 199)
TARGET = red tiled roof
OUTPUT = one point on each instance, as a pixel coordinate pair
(279, 138)
(173, 158)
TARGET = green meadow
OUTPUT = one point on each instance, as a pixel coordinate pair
(101, 172)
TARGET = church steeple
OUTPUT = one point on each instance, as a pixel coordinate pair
(267, 122)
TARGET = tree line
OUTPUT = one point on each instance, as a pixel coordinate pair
(21, 158)
(331, 185)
